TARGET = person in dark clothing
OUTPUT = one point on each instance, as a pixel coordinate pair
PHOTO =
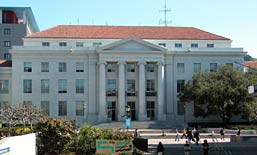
(205, 147)
(160, 149)
(238, 132)
(189, 136)
(184, 133)
(222, 134)
(196, 136)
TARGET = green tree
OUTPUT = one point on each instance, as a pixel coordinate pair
(222, 92)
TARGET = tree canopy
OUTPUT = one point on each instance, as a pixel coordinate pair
(222, 92)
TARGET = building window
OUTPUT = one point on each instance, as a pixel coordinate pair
(162, 44)
(62, 44)
(7, 55)
(45, 44)
(45, 107)
(27, 103)
(178, 45)
(194, 45)
(111, 85)
(62, 86)
(4, 86)
(131, 85)
(7, 43)
(3, 104)
(230, 64)
(45, 84)
(79, 44)
(27, 86)
(44, 66)
(180, 108)
(180, 67)
(150, 86)
(149, 67)
(79, 66)
(97, 44)
(130, 67)
(180, 85)
(210, 45)
(80, 86)
(80, 108)
(213, 67)
(197, 67)
(62, 108)
(111, 67)
(150, 110)
(7, 31)
(62, 67)
(27, 67)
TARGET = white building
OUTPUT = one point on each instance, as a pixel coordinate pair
(90, 73)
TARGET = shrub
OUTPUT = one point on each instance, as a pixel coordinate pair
(88, 135)
(54, 135)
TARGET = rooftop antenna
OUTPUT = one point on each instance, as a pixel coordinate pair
(165, 10)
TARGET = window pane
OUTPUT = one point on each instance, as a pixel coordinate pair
(80, 108)
(194, 45)
(150, 85)
(27, 86)
(27, 67)
(45, 107)
(62, 44)
(111, 67)
(79, 44)
(45, 85)
(150, 67)
(44, 66)
(62, 67)
(180, 85)
(45, 44)
(111, 85)
(213, 67)
(4, 86)
(180, 67)
(130, 67)
(7, 43)
(178, 45)
(7, 31)
(131, 86)
(197, 67)
(210, 45)
(79, 67)
(79, 86)
(62, 108)
(62, 86)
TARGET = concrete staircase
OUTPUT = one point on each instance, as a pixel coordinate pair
(140, 125)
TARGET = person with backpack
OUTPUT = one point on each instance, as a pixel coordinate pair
(160, 149)
(187, 148)
(205, 147)
(222, 134)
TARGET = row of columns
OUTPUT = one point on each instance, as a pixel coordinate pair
(121, 91)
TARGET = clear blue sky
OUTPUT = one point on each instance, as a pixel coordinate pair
(235, 19)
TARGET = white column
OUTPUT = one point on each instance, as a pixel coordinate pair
(161, 116)
(102, 93)
(142, 88)
(121, 89)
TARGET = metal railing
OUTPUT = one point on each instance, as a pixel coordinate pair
(219, 147)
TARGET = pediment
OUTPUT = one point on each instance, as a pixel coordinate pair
(132, 44)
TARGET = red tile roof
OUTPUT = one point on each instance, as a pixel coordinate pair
(5, 63)
(120, 32)
(252, 64)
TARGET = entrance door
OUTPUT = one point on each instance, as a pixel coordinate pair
(111, 110)
(132, 110)
(150, 110)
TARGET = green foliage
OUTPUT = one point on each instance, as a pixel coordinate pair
(250, 110)
(222, 92)
(54, 135)
(86, 143)
(248, 58)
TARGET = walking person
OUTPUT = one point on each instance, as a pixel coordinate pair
(136, 134)
(222, 134)
(184, 133)
(189, 136)
(187, 148)
(196, 136)
(160, 149)
(205, 147)
(177, 135)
